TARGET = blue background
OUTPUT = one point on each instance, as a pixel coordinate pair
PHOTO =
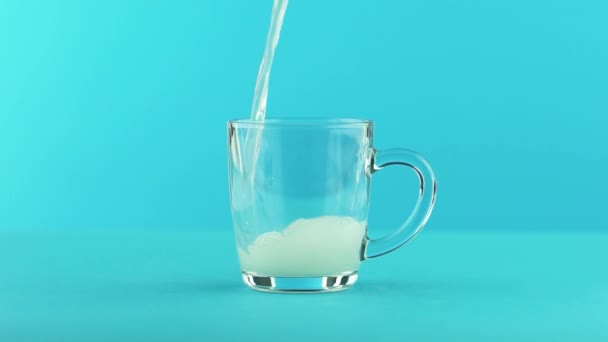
(113, 114)
(114, 209)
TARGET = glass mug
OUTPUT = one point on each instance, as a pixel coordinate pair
(299, 191)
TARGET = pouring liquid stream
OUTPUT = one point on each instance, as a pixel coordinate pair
(260, 99)
(282, 253)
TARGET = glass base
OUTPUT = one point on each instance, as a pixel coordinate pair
(300, 284)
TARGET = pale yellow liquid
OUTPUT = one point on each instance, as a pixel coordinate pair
(321, 246)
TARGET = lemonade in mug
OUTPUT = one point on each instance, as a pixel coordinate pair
(300, 201)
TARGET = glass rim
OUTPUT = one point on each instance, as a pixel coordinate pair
(301, 122)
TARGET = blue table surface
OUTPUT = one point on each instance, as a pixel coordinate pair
(185, 286)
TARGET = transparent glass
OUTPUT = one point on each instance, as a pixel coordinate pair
(300, 192)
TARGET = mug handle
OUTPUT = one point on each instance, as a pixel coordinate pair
(424, 206)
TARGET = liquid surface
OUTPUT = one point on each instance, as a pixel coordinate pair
(321, 246)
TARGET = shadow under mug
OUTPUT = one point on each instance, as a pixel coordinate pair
(299, 191)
